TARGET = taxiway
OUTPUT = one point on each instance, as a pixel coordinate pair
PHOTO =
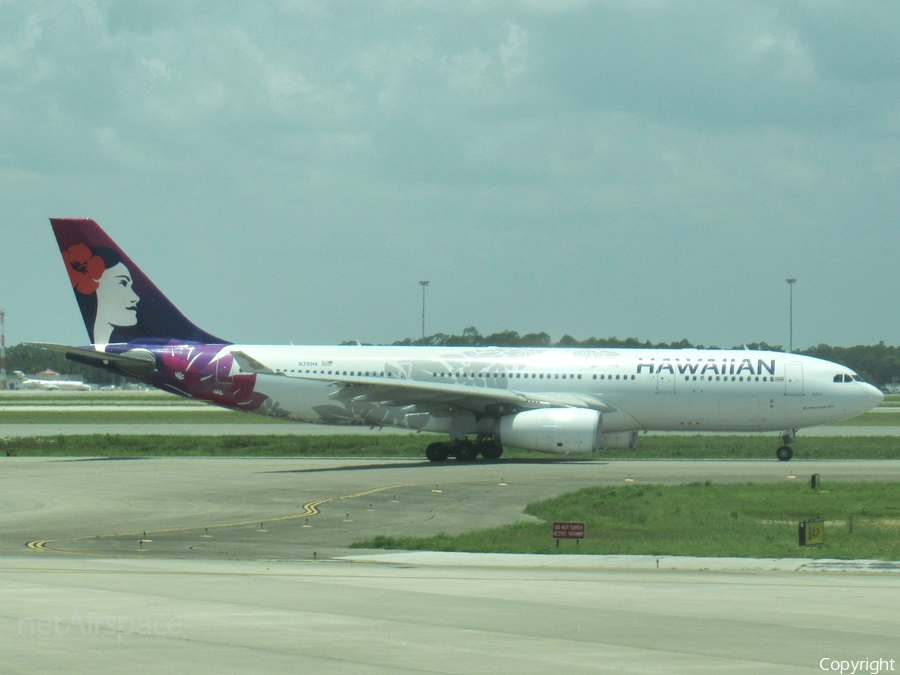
(242, 565)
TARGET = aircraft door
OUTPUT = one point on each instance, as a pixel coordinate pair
(793, 379)
(665, 379)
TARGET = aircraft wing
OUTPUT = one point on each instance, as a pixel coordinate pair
(399, 392)
(137, 362)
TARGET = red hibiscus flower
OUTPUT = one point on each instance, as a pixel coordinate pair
(85, 268)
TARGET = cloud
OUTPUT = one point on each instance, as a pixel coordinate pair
(707, 63)
(576, 167)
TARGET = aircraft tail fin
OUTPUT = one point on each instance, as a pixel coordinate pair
(118, 301)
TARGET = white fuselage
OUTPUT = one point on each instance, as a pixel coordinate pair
(636, 389)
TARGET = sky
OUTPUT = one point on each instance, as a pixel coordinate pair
(288, 172)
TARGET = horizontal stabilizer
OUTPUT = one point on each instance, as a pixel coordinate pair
(137, 362)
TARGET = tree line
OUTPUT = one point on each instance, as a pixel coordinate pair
(878, 364)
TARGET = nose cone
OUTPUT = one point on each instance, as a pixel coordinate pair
(873, 396)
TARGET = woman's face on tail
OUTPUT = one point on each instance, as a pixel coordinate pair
(116, 299)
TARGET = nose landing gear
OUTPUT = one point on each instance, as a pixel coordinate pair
(784, 453)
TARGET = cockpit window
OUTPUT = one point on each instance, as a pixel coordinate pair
(857, 378)
(838, 378)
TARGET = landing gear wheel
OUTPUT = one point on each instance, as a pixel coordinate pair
(466, 451)
(784, 453)
(491, 450)
(437, 452)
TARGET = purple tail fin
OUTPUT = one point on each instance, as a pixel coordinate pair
(117, 301)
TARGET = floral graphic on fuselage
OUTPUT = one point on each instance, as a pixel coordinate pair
(205, 372)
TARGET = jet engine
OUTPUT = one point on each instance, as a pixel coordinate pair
(560, 430)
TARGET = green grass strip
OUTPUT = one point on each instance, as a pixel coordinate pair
(413, 446)
(202, 415)
(873, 419)
(700, 519)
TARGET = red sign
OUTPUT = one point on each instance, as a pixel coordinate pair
(568, 530)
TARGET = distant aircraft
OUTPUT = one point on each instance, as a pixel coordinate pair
(550, 400)
(25, 382)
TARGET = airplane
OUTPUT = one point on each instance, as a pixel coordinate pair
(24, 382)
(552, 400)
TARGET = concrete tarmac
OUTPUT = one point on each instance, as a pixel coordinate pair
(95, 615)
(207, 565)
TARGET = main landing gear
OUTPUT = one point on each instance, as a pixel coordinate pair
(465, 450)
(784, 453)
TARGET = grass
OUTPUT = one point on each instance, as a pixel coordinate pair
(114, 445)
(873, 419)
(202, 415)
(413, 446)
(37, 397)
(699, 519)
(760, 447)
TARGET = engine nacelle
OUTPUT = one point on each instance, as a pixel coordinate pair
(561, 430)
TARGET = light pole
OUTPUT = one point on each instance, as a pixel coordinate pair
(3, 383)
(791, 283)
(423, 284)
